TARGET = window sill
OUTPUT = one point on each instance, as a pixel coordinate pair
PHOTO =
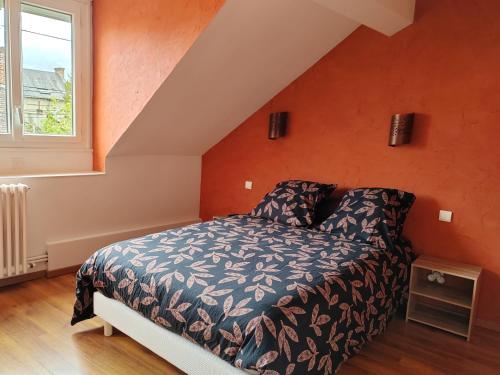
(51, 175)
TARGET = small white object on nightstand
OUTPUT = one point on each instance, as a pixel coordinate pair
(436, 276)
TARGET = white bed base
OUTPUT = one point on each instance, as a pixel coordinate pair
(183, 354)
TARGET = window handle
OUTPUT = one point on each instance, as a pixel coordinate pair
(19, 113)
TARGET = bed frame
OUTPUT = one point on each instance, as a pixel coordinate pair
(180, 352)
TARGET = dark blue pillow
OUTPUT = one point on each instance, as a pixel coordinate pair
(372, 215)
(293, 202)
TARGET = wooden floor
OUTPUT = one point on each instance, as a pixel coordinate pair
(36, 338)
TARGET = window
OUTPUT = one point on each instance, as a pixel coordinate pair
(47, 71)
(45, 74)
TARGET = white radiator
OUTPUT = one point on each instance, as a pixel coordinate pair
(13, 247)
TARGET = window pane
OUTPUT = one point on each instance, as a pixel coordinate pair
(47, 71)
(4, 124)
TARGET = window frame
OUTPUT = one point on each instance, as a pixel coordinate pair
(80, 11)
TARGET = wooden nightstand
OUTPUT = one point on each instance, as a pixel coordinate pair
(450, 306)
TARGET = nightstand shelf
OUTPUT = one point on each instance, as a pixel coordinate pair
(446, 294)
(442, 319)
(451, 306)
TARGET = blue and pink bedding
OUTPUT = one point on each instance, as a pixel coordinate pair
(261, 295)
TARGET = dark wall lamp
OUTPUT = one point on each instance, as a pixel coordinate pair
(277, 125)
(401, 129)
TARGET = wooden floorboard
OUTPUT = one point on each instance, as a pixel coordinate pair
(36, 338)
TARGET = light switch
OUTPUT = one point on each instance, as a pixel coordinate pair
(248, 185)
(445, 216)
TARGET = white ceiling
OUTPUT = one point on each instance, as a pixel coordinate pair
(249, 53)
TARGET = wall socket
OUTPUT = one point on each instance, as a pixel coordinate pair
(248, 185)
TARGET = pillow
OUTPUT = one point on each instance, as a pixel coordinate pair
(372, 215)
(293, 202)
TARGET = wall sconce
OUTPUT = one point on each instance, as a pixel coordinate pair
(277, 124)
(401, 129)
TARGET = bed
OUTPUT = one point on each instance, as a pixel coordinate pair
(246, 295)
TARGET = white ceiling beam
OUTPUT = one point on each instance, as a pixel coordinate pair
(385, 16)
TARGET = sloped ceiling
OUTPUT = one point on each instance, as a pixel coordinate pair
(247, 54)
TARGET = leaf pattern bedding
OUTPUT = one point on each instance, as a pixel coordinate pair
(260, 295)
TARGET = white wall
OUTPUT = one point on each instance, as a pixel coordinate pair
(24, 161)
(136, 192)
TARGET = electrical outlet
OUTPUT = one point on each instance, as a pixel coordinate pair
(445, 216)
(248, 185)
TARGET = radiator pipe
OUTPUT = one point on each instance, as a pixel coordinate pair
(32, 262)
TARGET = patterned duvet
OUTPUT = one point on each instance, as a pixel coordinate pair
(260, 295)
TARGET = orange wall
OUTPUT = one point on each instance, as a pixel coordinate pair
(136, 46)
(445, 67)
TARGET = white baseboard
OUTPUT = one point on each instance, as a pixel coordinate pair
(71, 252)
